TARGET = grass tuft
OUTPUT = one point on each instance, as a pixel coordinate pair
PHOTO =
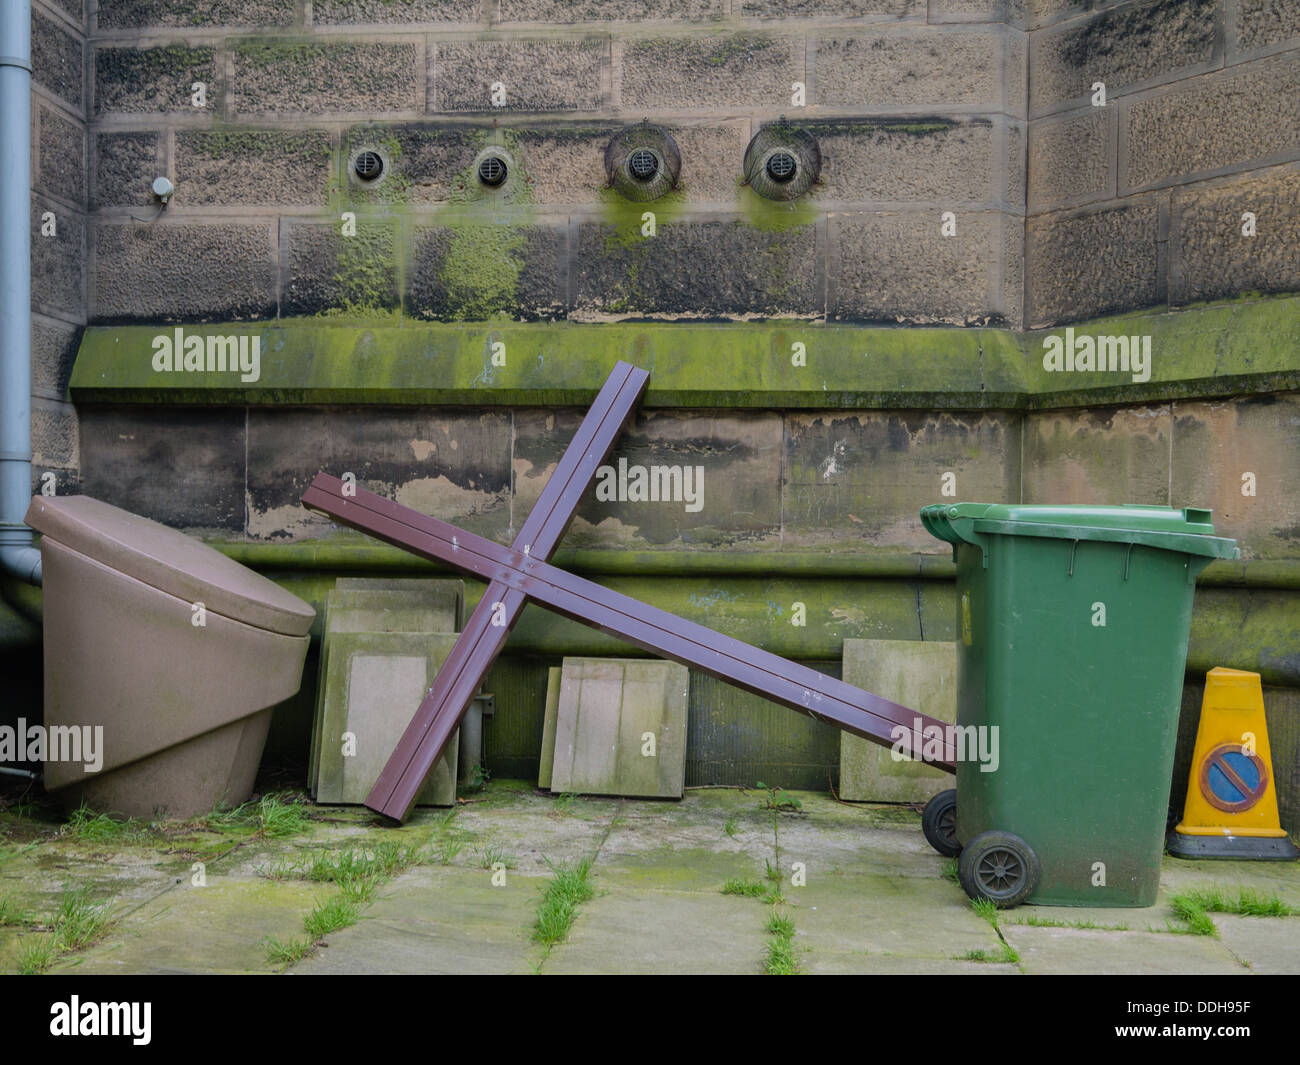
(750, 889)
(286, 953)
(781, 960)
(78, 922)
(338, 912)
(36, 954)
(1188, 910)
(568, 889)
(1247, 903)
(84, 823)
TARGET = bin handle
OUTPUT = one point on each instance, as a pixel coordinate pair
(1127, 556)
(1073, 546)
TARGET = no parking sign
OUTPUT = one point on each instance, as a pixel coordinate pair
(1231, 809)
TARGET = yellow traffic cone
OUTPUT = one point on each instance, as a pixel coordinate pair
(1231, 809)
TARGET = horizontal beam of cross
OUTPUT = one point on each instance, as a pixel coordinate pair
(750, 668)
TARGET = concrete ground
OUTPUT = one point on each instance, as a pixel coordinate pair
(229, 895)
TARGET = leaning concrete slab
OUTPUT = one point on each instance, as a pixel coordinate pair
(382, 604)
(548, 726)
(922, 675)
(621, 728)
(372, 680)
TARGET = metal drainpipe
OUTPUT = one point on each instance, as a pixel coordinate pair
(18, 555)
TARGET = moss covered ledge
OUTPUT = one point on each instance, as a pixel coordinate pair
(1213, 350)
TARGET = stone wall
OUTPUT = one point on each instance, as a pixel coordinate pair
(917, 110)
(1144, 200)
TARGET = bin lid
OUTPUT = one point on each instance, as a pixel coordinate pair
(1190, 530)
(170, 561)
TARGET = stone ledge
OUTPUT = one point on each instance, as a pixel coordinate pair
(1211, 350)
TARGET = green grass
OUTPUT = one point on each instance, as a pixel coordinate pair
(565, 802)
(84, 823)
(1247, 903)
(1007, 954)
(779, 924)
(568, 889)
(286, 953)
(10, 914)
(275, 816)
(78, 922)
(750, 889)
(447, 848)
(493, 855)
(1188, 910)
(330, 916)
(381, 861)
(781, 960)
(36, 954)
(950, 870)
(1035, 921)
(730, 828)
(986, 909)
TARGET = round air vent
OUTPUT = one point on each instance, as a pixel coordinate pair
(642, 162)
(368, 165)
(782, 161)
(781, 166)
(492, 171)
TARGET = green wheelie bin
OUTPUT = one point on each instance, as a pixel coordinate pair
(1072, 627)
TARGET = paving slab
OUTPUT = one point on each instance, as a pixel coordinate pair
(912, 673)
(1268, 878)
(1268, 945)
(841, 914)
(862, 963)
(645, 931)
(217, 928)
(1090, 952)
(435, 921)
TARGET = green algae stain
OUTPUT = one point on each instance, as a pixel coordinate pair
(772, 216)
(480, 274)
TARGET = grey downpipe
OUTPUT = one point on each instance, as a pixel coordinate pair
(19, 556)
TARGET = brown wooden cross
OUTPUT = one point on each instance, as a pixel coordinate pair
(521, 572)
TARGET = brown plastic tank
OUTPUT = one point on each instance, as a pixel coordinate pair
(175, 650)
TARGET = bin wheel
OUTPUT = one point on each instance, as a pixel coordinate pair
(1000, 867)
(939, 823)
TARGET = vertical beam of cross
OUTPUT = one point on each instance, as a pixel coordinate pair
(484, 635)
